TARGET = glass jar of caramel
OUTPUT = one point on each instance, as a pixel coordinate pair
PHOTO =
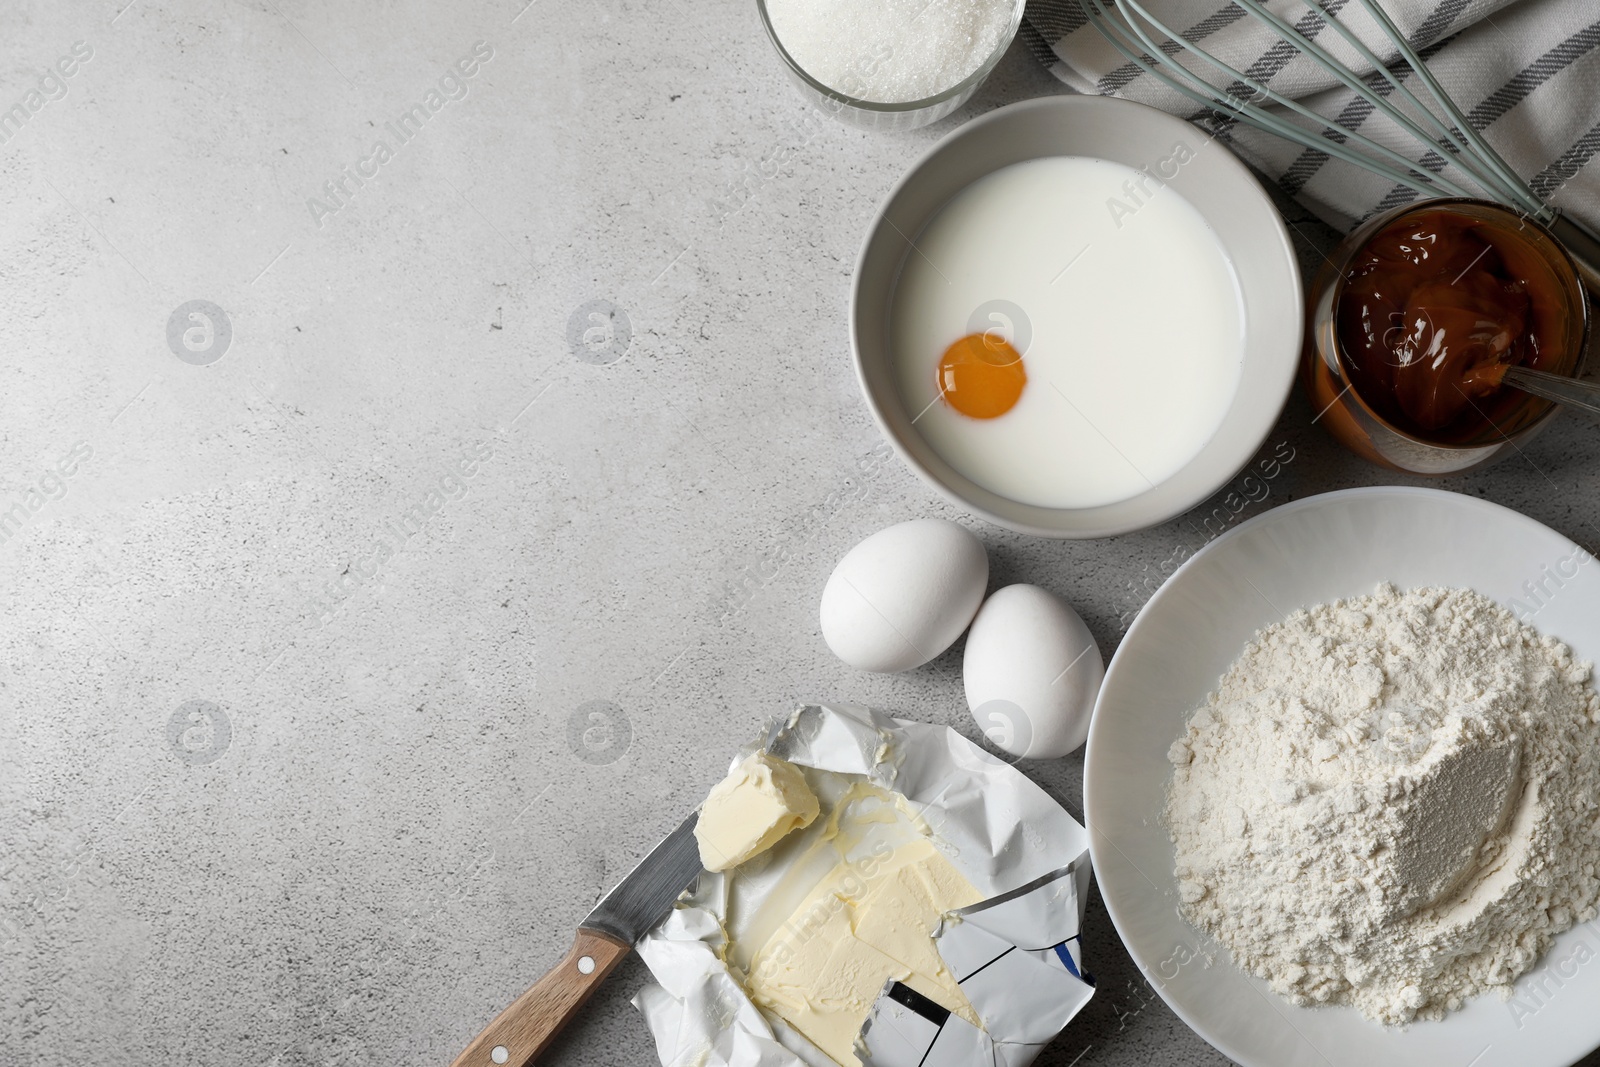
(1414, 318)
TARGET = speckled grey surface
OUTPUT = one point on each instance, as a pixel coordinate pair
(474, 608)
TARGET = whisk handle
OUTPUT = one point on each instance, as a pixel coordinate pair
(1583, 244)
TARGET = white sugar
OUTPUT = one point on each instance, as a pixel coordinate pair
(890, 51)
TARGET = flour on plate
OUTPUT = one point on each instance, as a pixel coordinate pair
(1390, 802)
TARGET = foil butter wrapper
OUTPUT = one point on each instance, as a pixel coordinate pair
(1017, 953)
(1017, 958)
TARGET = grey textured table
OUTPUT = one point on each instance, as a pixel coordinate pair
(361, 629)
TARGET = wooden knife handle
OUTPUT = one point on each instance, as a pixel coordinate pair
(525, 1030)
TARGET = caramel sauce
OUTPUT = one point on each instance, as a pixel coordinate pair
(1435, 307)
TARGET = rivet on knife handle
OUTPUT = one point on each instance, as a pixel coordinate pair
(524, 1030)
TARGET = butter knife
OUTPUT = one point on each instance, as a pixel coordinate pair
(524, 1030)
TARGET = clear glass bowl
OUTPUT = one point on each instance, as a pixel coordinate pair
(869, 114)
(1359, 426)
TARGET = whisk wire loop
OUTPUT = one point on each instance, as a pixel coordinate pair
(1522, 194)
(1453, 139)
(1269, 123)
(1305, 44)
(1454, 149)
(1213, 99)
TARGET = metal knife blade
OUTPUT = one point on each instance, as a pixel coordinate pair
(641, 899)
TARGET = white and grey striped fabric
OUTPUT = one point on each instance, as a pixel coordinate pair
(1526, 73)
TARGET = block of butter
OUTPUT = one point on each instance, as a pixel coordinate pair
(867, 923)
(752, 809)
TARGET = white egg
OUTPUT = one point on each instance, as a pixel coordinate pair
(1032, 672)
(902, 596)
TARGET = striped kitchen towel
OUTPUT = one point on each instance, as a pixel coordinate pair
(1525, 72)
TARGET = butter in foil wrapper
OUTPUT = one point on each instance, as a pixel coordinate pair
(1016, 954)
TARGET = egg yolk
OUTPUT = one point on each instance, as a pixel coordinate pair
(981, 376)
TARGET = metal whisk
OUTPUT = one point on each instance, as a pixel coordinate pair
(1450, 138)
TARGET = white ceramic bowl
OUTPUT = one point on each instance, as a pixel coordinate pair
(1307, 552)
(1214, 181)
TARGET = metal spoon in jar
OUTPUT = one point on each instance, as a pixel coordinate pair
(1561, 389)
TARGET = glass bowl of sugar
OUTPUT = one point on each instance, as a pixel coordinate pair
(890, 64)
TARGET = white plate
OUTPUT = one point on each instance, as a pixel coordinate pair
(1319, 549)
